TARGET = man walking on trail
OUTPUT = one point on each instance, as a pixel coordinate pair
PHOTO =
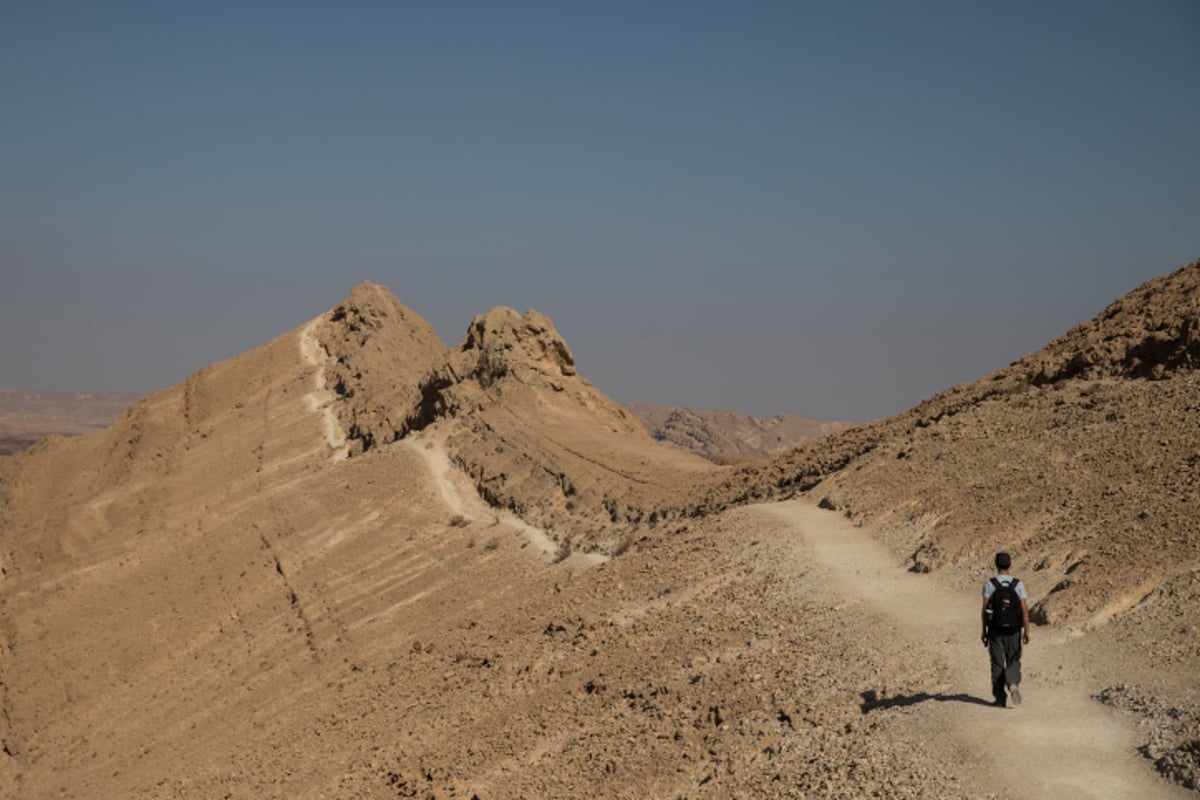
(1005, 617)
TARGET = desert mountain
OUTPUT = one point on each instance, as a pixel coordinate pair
(727, 437)
(356, 562)
(534, 436)
(26, 416)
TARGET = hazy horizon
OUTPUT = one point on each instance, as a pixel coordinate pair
(828, 211)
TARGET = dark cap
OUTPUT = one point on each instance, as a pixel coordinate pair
(1003, 561)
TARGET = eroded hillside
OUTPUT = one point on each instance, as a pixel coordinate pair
(1076, 458)
(535, 437)
(356, 562)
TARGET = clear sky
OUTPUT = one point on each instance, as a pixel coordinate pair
(830, 209)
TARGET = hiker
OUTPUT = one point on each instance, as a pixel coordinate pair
(1005, 617)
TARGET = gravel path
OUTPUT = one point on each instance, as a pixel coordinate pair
(1058, 743)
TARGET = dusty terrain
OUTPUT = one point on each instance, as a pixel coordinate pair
(729, 437)
(355, 562)
(26, 416)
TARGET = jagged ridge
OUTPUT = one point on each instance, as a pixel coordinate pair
(536, 437)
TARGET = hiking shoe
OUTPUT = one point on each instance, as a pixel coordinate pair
(1015, 691)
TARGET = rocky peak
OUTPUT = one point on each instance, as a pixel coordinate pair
(378, 351)
(502, 341)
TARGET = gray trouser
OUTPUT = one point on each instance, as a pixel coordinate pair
(1005, 650)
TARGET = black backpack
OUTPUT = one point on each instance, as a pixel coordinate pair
(1006, 607)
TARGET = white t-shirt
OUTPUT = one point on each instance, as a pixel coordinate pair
(989, 588)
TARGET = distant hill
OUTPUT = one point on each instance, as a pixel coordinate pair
(26, 416)
(728, 437)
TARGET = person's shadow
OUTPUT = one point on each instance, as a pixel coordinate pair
(871, 701)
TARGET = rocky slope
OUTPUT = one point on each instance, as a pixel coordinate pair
(1072, 457)
(269, 582)
(729, 437)
(1082, 460)
(536, 438)
(170, 584)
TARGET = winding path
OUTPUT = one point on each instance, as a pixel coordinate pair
(1059, 743)
(461, 498)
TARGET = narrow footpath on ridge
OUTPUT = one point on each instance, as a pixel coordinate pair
(461, 498)
(1059, 743)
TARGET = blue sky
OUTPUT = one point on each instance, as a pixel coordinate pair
(830, 209)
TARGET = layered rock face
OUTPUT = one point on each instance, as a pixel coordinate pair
(535, 437)
(131, 558)
(543, 442)
(169, 582)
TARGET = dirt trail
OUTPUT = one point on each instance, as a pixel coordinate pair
(320, 399)
(461, 499)
(1057, 743)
